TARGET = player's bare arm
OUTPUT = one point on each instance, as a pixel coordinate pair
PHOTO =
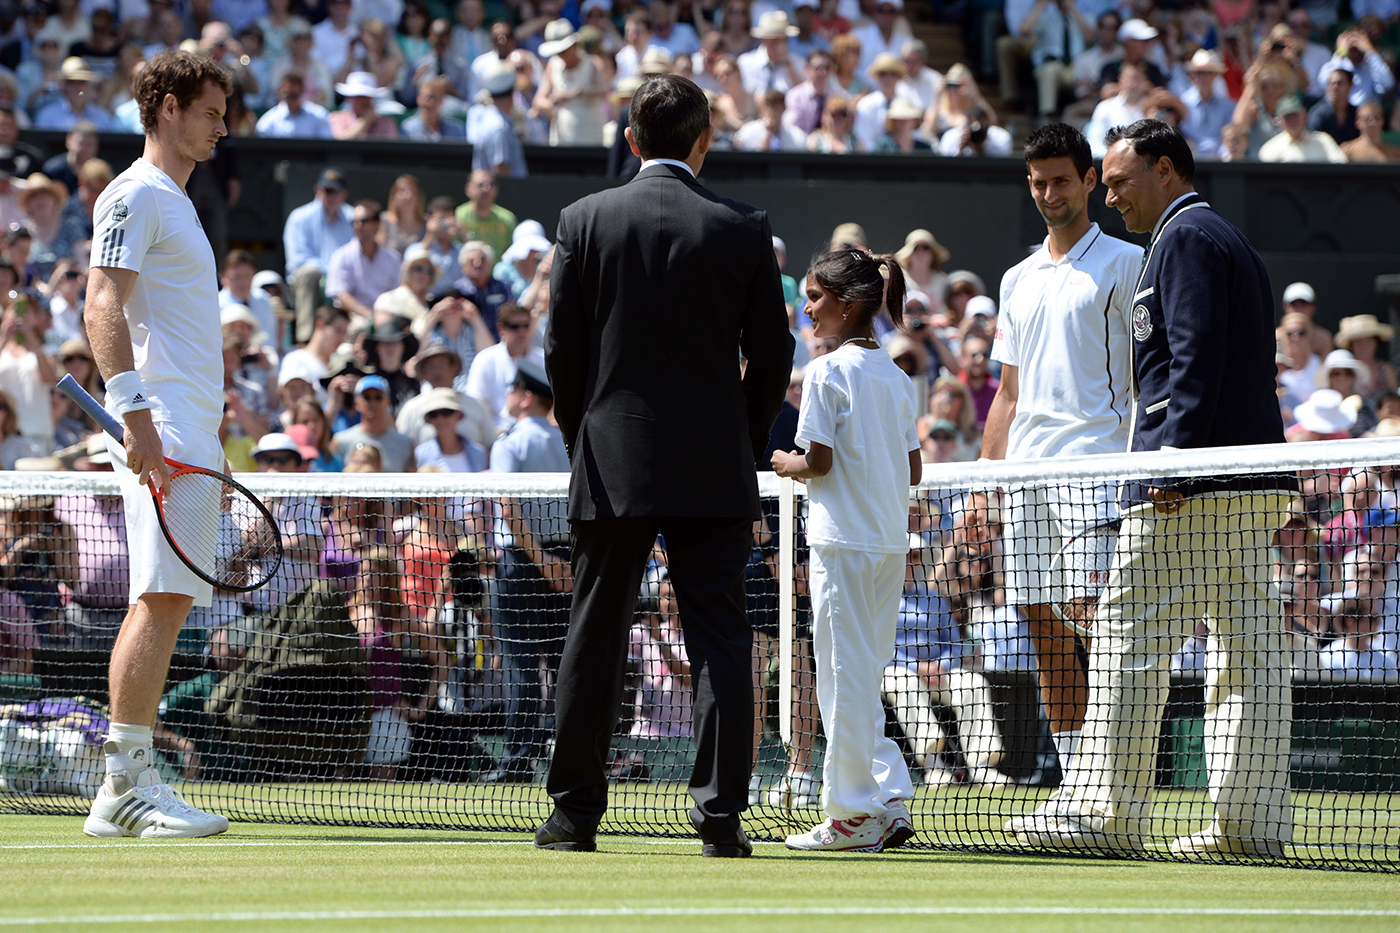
(1001, 414)
(108, 291)
(816, 462)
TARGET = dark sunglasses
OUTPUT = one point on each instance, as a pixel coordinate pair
(523, 325)
(278, 459)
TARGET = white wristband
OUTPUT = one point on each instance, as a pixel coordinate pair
(127, 392)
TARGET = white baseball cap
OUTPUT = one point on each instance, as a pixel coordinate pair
(1136, 29)
(1299, 291)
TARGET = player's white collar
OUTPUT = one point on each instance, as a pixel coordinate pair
(676, 162)
(1075, 252)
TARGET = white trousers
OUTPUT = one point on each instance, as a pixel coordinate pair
(964, 692)
(1208, 560)
(855, 608)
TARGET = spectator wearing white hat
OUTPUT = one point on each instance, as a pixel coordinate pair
(518, 263)
(359, 118)
(571, 93)
(76, 103)
(259, 361)
(1297, 143)
(496, 149)
(439, 367)
(1300, 298)
(1138, 38)
(771, 66)
(1346, 375)
(902, 121)
(1207, 113)
(1324, 416)
(887, 70)
(1363, 335)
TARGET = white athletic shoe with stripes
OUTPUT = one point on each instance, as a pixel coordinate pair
(147, 809)
(860, 834)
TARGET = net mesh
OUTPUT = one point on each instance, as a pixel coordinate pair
(398, 669)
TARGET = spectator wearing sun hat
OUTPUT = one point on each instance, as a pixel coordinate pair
(571, 93)
(76, 103)
(1363, 334)
(1207, 113)
(887, 70)
(1325, 416)
(359, 118)
(1347, 375)
(1300, 298)
(771, 66)
(1297, 143)
(518, 263)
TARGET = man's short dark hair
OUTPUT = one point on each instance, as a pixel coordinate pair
(1153, 139)
(441, 203)
(237, 257)
(329, 314)
(1056, 140)
(179, 73)
(371, 205)
(817, 55)
(667, 115)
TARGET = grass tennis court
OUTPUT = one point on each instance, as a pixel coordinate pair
(269, 877)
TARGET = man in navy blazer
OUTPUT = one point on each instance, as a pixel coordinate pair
(1203, 341)
(658, 288)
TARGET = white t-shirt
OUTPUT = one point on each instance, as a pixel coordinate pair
(858, 403)
(492, 371)
(145, 222)
(1067, 328)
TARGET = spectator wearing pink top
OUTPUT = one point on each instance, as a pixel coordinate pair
(359, 119)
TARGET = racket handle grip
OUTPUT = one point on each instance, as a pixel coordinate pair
(70, 387)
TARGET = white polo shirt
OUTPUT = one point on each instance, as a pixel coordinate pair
(1067, 328)
(145, 222)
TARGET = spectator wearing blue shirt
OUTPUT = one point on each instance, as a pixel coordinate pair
(294, 116)
(477, 284)
(76, 103)
(1207, 113)
(311, 236)
(427, 123)
(928, 669)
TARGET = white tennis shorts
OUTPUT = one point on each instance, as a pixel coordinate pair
(154, 566)
(1059, 542)
(390, 738)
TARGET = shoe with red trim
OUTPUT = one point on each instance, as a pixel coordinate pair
(898, 825)
(859, 834)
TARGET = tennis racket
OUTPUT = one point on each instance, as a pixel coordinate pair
(1060, 568)
(217, 528)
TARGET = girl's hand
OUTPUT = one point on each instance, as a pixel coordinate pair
(787, 465)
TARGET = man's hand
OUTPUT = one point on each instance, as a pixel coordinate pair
(145, 454)
(1166, 501)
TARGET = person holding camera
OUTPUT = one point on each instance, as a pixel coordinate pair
(979, 136)
(1373, 78)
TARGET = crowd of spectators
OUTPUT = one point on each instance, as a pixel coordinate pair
(1259, 79)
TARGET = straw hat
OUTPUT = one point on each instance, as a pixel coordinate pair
(853, 234)
(923, 236)
(1362, 325)
(1341, 359)
(903, 109)
(773, 25)
(1206, 60)
(884, 63)
(656, 61)
(39, 182)
(75, 69)
(558, 36)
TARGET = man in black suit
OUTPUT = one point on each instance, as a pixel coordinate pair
(1203, 353)
(657, 290)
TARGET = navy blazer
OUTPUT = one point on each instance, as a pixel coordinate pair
(657, 288)
(1203, 348)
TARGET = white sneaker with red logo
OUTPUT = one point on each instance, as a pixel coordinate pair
(859, 834)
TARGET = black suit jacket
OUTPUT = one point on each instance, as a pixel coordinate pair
(1203, 347)
(657, 288)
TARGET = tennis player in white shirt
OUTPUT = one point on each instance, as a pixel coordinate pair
(153, 319)
(1064, 341)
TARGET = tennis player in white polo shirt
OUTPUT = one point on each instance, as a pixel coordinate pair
(1064, 341)
(153, 319)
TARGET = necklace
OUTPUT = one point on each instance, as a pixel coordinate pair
(854, 339)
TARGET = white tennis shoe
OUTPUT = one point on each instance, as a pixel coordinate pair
(859, 834)
(897, 825)
(147, 809)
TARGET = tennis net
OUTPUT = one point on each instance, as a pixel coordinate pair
(399, 668)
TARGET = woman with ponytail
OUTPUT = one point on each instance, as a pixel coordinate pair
(858, 425)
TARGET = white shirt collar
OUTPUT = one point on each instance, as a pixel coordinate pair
(676, 162)
(1168, 212)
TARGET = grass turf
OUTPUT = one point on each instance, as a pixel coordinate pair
(269, 877)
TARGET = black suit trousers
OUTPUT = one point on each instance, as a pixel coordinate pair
(706, 560)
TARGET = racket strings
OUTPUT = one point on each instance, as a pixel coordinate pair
(227, 537)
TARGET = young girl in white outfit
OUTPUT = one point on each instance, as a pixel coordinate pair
(857, 423)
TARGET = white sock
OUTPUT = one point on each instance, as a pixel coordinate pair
(1065, 745)
(128, 748)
